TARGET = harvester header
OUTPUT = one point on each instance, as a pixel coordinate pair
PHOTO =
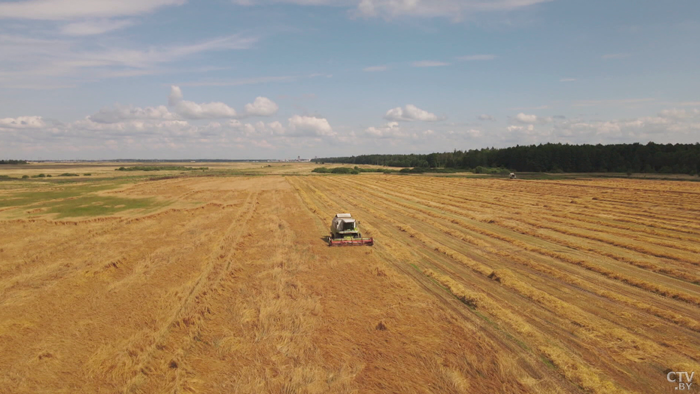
(345, 230)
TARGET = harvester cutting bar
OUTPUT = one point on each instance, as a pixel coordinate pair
(351, 242)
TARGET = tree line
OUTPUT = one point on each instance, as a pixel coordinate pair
(13, 162)
(652, 158)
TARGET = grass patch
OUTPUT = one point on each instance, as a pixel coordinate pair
(68, 198)
(94, 205)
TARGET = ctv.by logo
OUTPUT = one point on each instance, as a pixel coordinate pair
(684, 379)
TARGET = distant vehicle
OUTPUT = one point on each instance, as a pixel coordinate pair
(345, 230)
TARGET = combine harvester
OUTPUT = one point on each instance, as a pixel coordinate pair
(346, 231)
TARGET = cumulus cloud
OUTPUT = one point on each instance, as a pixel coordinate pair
(262, 106)
(679, 113)
(192, 110)
(520, 128)
(309, 126)
(389, 130)
(487, 117)
(134, 126)
(120, 113)
(22, 122)
(530, 119)
(410, 113)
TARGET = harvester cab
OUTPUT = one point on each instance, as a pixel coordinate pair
(345, 230)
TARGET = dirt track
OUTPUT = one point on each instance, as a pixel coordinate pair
(578, 286)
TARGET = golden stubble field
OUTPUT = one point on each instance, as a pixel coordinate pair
(225, 284)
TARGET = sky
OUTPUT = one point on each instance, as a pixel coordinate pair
(278, 79)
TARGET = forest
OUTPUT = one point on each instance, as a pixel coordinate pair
(650, 158)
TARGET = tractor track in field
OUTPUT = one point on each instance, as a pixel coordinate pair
(192, 308)
(498, 337)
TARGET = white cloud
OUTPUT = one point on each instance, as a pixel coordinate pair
(429, 63)
(32, 62)
(679, 113)
(309, 126)
(520, 128)
(22, 122)
(192, 110)
(522, 118)
(453, 9)
(476, 58)
(410, 113)
(487, 117)
(389, 130)
(71, 9)
(388, 9)
(134, 127)
(262, 106)
(120, 113)
(94, 27)
(567, 80)
(375, 68)
(474, 133)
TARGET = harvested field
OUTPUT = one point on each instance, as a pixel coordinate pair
(225, 284)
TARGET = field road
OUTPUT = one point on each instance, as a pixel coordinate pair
(473, 286)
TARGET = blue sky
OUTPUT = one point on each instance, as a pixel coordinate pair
(237, 79)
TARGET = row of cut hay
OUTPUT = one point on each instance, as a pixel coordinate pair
(549, 217)
(624, 245)
(659, 289)
(504, 276)
(304, 197)
(188, 317)
(678, 274)
(582, 374)
(630, 231)
(585, 217)
(629, 345)
(525, 198)
(668, 315)
(268, 324)
(468, 297)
